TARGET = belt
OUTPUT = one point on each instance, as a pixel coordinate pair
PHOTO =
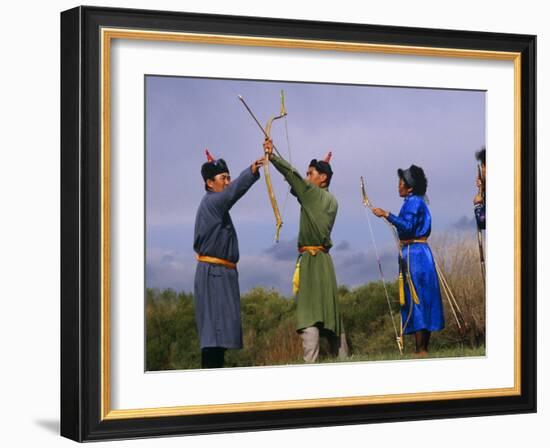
(214, 260)
(313, 250)
(423, 240)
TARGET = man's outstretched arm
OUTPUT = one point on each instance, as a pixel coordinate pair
(297, 183)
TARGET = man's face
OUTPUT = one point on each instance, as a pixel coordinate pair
(219, 182)
(314, 177)
(403, 189)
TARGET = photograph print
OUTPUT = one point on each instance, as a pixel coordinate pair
(293, 223)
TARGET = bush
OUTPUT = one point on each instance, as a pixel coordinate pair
(458, 258)
(171, 332)
(268, 318)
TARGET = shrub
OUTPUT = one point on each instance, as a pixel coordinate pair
(268, 318)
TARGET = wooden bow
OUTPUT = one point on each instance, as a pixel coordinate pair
(267, 133)
(367, 204)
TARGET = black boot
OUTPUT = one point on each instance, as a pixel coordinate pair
(212, 357)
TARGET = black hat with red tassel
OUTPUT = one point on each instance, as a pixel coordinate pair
(213, 167)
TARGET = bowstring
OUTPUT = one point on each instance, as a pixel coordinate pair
(290, 162)
(367, 212)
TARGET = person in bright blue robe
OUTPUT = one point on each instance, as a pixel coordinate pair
(421, 314)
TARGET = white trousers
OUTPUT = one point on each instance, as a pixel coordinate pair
(310, 342)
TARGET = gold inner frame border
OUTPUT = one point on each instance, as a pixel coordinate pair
(107, 35)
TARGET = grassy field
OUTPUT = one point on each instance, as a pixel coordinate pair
(269, 332)
(440, 353)
(393, 355)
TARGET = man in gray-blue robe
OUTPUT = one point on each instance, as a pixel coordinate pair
(217, 296)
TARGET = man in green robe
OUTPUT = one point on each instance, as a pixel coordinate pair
(318, 311)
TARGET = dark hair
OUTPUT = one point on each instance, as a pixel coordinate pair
(414, 178)
(322, 167)
(480, 155)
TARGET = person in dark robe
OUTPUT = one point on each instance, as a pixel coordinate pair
(422, 312)
(216, 290)
(479, 199)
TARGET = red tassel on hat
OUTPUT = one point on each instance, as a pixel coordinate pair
(328, 157)
(208, 155)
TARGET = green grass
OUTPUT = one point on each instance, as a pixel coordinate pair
(438, 353)
(269, 321)
(441, 353)
(457, 352)
(269, 331)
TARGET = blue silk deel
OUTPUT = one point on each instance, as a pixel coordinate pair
(414, 222)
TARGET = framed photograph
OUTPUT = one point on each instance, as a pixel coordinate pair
(387, 274)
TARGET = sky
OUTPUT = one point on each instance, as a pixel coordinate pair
(371, 130)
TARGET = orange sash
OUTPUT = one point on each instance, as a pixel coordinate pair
(313, 250)
(214, 260)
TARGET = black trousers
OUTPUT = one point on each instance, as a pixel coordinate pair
(212, 357)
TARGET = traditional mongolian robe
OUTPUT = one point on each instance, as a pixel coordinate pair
(317, 297)
(413, 223)
(217, 295)
(479, 210)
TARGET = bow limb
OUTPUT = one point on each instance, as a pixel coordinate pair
(270, 192)
(368, 204)
(267, 132)
(241, 99)
(273, 200)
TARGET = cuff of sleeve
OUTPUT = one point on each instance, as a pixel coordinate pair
(276, 160)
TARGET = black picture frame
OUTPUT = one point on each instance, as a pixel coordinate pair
(81, 210)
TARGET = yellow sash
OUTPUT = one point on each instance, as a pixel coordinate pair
(313, 250)
(296, 278)
(214, 260)
(401, 281)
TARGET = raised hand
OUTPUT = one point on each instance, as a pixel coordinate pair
(257, 165)
(268, 146)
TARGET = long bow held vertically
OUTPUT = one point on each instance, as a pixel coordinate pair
(481, 192)
(368, 205)
(267, 133)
